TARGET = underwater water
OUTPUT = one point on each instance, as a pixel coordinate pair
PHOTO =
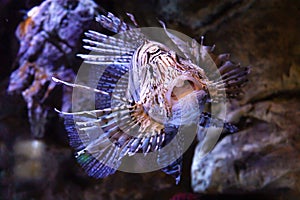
(260, 161)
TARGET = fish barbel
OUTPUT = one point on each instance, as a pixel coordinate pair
(144, 91)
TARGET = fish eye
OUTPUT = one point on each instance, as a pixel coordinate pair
(153, 50)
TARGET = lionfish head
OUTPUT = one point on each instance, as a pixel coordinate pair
(171, 88)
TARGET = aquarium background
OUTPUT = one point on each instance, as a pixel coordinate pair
(262, 161)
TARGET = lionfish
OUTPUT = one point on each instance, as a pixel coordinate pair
(144, 92)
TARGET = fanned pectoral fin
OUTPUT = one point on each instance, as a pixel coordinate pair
(102, 137)
(95, 135)
(94, 152)
(95, 167)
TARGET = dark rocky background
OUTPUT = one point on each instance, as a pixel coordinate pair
(262, 161)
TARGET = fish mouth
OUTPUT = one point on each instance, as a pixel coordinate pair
(180, 87)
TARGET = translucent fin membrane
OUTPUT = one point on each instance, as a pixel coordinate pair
(93, 166)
